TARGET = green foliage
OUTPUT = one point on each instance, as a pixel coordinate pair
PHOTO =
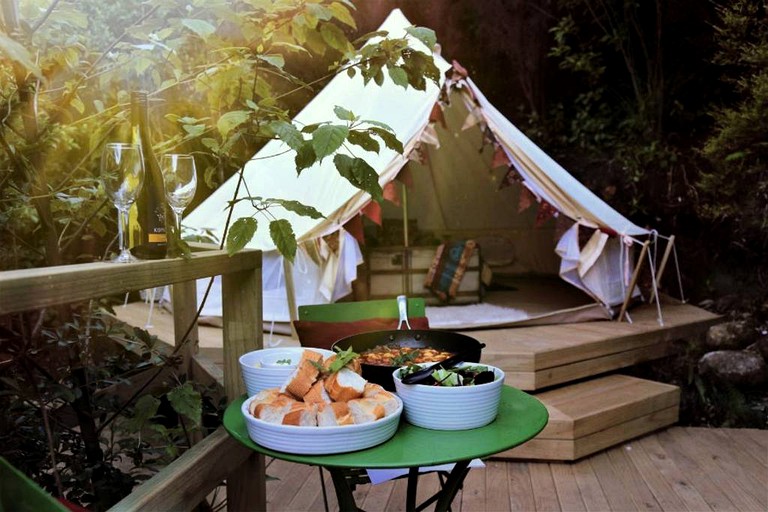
(735, 191)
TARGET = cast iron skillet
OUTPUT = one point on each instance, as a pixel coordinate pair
(440, 340)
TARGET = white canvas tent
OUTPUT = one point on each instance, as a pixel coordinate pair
(460, 187)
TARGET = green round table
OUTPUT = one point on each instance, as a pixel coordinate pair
(521, 417)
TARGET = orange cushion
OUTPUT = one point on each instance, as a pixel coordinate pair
(325, 334)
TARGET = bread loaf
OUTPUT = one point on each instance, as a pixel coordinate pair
(263, 396)
(305, 374)
(333, 414)
(345, 385)
(301, 414)
(317, 393)
(365, 410)
(274, 411)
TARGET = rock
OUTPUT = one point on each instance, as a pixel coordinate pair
(738, 367)
(760, 347)
(729, 336)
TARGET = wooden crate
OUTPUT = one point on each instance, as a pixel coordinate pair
(593, 415)
(394, 271)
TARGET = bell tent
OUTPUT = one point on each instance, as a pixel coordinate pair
(471, 174)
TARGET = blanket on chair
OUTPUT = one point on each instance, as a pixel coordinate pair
(448, 267)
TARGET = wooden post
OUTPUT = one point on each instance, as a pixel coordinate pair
(242, 317)
(290, 293)
(633, 281)
(662, 266)
(184, 297)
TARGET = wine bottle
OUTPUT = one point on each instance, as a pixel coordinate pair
(151, 205)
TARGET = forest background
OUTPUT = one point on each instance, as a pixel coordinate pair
(659, 107)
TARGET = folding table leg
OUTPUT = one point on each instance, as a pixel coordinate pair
(343, 491)
(452, 485)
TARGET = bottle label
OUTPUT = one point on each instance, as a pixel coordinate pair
(157, 238)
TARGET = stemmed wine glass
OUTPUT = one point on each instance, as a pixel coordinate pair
(122, 172)
(180, 182)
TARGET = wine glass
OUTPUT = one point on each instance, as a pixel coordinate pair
(180, 182)
(122, 172)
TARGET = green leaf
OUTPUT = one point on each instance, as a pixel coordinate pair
(187, 401)
(231, 120)
(342, 14)
(389, 139)
(276, 60)
(211, 144)
(310, 127)
(423, 34)
(199, 27)
(298, 208)
(240, 233)
(320, 12)
(194, 130)
(343, 358)
(78, 104)
(398, 76)
(370, 35)
(360, 174)
(305, 157)
(343, 114)
(18, 53)
(287, 133)
(364, 140)
(144, 410)
(334, 37)
(282, 235)
(327, 139)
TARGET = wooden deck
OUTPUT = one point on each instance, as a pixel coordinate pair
(678, 469)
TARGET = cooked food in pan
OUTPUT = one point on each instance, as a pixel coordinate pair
(395, 355)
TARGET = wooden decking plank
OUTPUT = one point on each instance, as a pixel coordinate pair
(521, 496)
(744, 442)
(698, 476)
(308, 493)
(544, 491)
(318, 504)
(568, 493)
(672, 474)
(589, 487)
(630, 429)
(396, 502)
(291, 476)
(377, 497)
(657, 484)
(633, 482)
(473, 491)
(704, 458)
(611, 483)
(496, 487)
(745, 469)
(761, 436)
(569, 372)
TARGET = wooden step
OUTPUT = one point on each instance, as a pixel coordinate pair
(542, 356)
(593, 415)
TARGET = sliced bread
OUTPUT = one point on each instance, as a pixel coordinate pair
(317, 393)
(365, 410)
(302, 415)
(333, 414)
(305, 374)
(345, 385)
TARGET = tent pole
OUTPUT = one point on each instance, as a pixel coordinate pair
(290, 292)
(406, 284)
(633, 281)
(662, 266)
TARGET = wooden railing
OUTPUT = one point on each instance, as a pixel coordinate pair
(188, 480)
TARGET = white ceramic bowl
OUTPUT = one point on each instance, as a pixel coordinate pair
(320, 440)
(451, 408)
(271, 367)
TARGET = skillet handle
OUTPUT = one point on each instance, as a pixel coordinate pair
(402, 308)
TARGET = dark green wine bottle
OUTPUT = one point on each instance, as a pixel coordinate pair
(152, 240)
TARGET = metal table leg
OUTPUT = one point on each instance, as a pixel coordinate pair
(343, 490)
(452, 485)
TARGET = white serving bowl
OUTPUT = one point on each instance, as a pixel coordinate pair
(450, 408)
(320, 440)
(260, 368)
